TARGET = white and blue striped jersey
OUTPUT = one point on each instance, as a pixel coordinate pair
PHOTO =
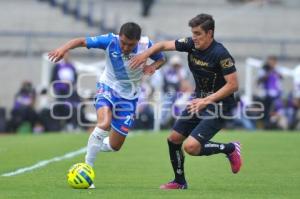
(117, 74)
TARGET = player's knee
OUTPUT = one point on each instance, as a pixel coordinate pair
(103, 125)
(104, 119)
(192, 149)
(176, 138)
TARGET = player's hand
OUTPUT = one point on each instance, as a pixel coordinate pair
(197, 105)
(137, 60)
(149, 69)
(56, 55)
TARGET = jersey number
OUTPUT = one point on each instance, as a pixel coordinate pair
(127, 121)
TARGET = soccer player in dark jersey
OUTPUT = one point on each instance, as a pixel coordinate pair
(216, 80)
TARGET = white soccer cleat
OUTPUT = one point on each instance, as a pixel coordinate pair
(92, 186)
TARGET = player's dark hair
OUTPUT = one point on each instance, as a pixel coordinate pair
(205, 21)
(131, 30)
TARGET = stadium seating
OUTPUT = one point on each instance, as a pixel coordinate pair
(33, 27)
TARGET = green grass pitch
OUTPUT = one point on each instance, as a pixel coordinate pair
(271, 168)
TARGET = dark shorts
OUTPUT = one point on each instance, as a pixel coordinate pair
(203, 125)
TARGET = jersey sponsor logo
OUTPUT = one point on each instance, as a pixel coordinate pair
(198, 62)
(226, 63)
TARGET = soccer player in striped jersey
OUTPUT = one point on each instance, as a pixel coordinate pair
(119, 86)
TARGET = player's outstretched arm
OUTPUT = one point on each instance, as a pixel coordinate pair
(136, 61)
(58, 54)
(150, 69)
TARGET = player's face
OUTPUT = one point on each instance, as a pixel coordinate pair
(201, 38)
(127, 45)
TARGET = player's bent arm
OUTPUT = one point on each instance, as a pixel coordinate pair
(161, 46)
(150, 69)
(158, 64)
(75, 43)
(59, 53)
(230, 87)
(158, 47)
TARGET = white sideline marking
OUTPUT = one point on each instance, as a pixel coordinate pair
(45, 162)
(55, 159)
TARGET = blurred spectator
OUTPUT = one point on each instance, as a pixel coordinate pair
(291, 111)
(144, 112)
(46, 122)
(296, 95)
(23, 109)
(174, 74)
(64, 76)
(270, 80)
(2, 119)
(86, 113)
(184, 96)
(241, 118)
(296, 90)
(146, 7)
(278, 119)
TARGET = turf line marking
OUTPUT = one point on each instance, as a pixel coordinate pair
(45, 162)
(55, 159)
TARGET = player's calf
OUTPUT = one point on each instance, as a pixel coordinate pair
(94, 145)
(116, 140)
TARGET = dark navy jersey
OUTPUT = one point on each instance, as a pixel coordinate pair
(208, 67)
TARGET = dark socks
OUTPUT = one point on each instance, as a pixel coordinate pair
(210, 148)
(177, 160)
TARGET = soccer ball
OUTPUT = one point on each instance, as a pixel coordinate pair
(81, 176)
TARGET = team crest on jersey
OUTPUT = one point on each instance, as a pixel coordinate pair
(94, 39)
(226, 63)
(183, 40)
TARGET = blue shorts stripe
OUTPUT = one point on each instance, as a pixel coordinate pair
(99, 105)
